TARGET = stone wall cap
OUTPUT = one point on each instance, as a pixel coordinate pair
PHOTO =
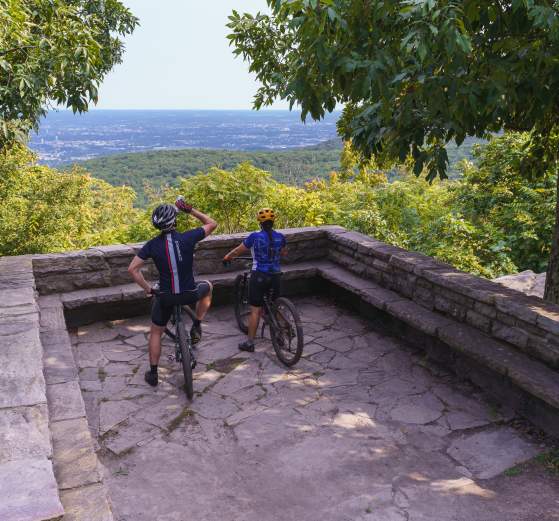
(10, 297)
(464, 283)
(415, 262)
(46, 257)
(29, 490)
(114, 250)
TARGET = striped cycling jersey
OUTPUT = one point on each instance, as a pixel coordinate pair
(172, 254)
(266, 259)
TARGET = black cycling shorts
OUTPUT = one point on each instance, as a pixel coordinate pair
(260, 285)
(162, 307)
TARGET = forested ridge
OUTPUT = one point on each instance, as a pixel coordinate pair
(156, 169)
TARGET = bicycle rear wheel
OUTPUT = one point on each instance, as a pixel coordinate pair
(287, 332)
(242, 308)
(184, 344)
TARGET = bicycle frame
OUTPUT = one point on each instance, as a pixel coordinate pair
(177, 319)
(268, 317)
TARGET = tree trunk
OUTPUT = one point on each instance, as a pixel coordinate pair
(552, 279)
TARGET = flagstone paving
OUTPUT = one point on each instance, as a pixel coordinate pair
(362, 429)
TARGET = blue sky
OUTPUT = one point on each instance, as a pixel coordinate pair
(179, 58)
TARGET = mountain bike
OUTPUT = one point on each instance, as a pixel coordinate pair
(279, 314)
(184, 353)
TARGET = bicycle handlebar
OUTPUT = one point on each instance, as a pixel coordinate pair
(227, 263)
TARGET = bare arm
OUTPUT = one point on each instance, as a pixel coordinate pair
(284, 252)
(135, 271)
(208, 223)
(235, 252)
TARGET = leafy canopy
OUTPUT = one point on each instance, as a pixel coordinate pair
(55, 51)
(44, 210)
(413, 74)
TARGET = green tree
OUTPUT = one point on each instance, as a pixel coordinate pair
(415, 75)
(55, 51)
(44, 210)
(354, 166)
(494, 193)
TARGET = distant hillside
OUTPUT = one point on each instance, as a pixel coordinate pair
(164, 167)
(158, 168)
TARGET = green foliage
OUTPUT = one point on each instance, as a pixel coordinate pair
(44, 210)
(550, 461)
(495, 195)
(356, 167)
(413, 75)
(55, 51)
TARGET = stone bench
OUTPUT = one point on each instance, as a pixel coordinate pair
(108, 303)
(528, 385)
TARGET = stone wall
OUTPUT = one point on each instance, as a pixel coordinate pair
(107, 265)
(27, 481)
(526, 322)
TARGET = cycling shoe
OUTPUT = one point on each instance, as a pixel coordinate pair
(247, 345)
(196, 334)
(151, 378)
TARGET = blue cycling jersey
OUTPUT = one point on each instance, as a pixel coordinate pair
(173, 253)
(266, 258)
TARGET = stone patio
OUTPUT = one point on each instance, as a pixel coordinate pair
(362, 429)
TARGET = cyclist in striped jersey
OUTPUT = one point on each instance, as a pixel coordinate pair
(172, 252)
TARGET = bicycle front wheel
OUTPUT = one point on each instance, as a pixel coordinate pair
(287, 332)
(184, 344)
(242, 308)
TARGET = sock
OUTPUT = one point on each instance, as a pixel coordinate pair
(197, 322)
(153, 369)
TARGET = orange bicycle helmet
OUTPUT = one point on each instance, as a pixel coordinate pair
(266, 214)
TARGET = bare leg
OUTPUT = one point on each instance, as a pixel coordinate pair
(203, 305)
(254, 319)
(155, 344)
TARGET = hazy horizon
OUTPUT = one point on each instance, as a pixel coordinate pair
(64, 137)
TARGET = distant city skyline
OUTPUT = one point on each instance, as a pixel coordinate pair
(179, 58)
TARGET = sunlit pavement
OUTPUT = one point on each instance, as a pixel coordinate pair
(363, 428)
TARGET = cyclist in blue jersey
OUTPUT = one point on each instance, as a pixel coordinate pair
(267, 247)
(172, 252)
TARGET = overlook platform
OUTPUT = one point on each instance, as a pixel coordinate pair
(421, 387)
(364, 428)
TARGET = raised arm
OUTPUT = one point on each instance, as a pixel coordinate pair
(135, 270)
(208, 223)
